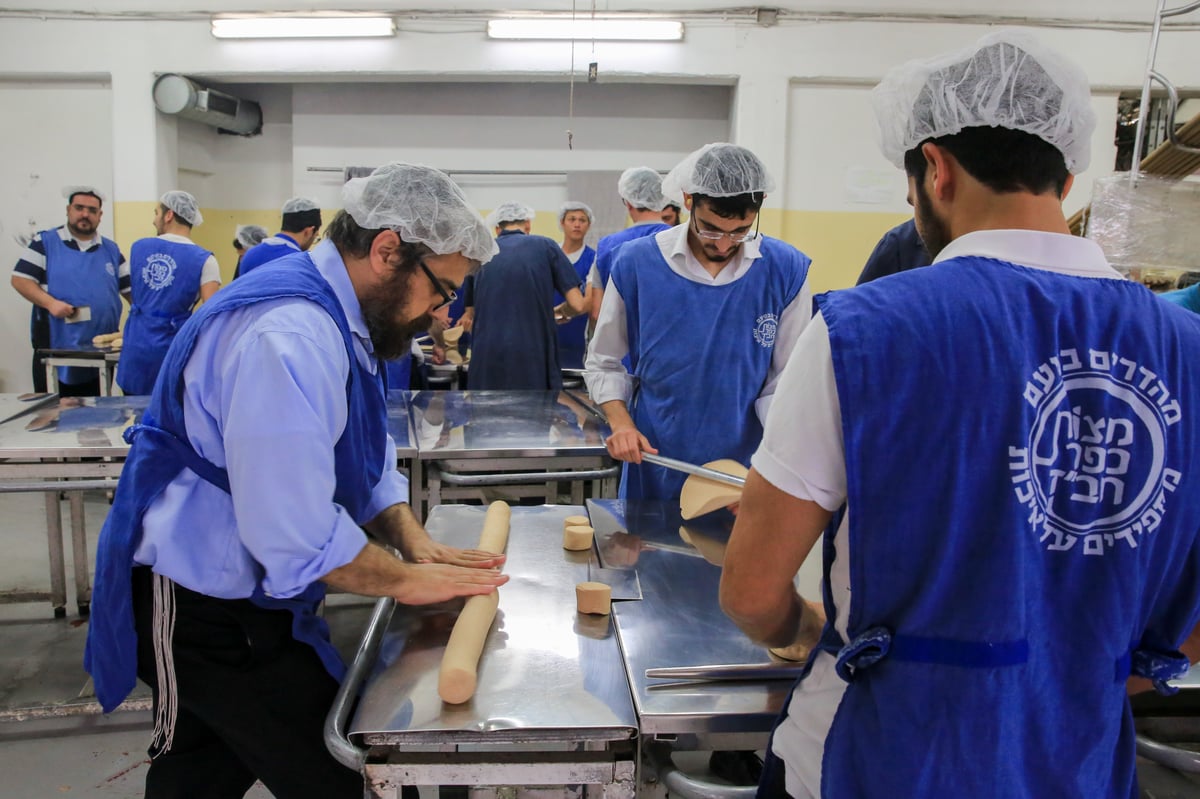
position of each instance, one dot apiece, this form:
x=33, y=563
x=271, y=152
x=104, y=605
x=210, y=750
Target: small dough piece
x=701, y=495
x=116, y=343
x=578, y=538
x=576, y=521
x=105, y=338
x=455, y=357
x=593, y=598
x=452, y=335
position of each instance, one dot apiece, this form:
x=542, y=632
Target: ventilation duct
x=175, y=94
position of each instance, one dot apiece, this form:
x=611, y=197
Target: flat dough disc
x=701, y=496
x=452, y=335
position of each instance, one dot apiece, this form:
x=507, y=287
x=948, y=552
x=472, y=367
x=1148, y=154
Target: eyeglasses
x=447, y=296
x=717, y=235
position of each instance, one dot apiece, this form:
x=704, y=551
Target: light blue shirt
x=1188, y=298
x=265, y=398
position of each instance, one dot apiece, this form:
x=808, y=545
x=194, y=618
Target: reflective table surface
x=13, y=405
x=72, y=427
x=400, y=424
x=547, y=673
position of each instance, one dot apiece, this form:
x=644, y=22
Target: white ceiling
x=1076, y=11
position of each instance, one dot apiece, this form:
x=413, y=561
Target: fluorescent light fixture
x=301, y=27
x=585, y=29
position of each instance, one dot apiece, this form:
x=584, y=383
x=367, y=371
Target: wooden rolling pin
x=460, y=663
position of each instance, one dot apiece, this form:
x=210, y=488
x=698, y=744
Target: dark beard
x=391, y=339
x=933, y=231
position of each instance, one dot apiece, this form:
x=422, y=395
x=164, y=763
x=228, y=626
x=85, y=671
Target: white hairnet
x=298, y=204
x=423, y=205
x=184, y=205
x=1007, y=79
x=71, y=191
x=249, y=235
x=571, y=205
x=641, y=187
x=719, y=170
x=510, y=212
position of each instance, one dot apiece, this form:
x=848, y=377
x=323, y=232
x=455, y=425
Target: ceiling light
x=586, y=29
x=301, y=27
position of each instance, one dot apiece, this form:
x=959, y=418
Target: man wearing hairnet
x=260, y=460
x=245, y=237
x=169, y=275
x=707, y=313
x=510, y=307
x=640, y=189
x=298, y=230
x=75, y=279
x=575, y=220
x=1001, y=451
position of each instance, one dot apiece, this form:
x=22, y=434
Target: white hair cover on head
x=1008, y=79
x=71, y=191
x=298, y=204
x=249, y=235
x=571, y=205
x=423, y=205
x=641, y=187
x=510, y=212
x=719, y=170
x=184, y=205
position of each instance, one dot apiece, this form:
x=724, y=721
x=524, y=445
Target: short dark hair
x=297, y=221
x=735, y=207
x=355, y=241
x=74, y=194
x=1003, y=159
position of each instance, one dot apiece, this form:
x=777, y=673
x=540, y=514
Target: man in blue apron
x=298, y=231
x=260, y=460
x=1005, y=443
x=510, y=307
x=575, y=220
x=640, y=189
x=707, y=313
x=672, y=214
x=246, y=237
x=169, y=275
x=75, y=279
x=899, y=250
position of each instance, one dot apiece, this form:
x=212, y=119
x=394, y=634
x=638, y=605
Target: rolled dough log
x=116, y=343
x=578, y=538
x=701, y=495
x=593, y=598
x=460, y=662
x=576, y=521
x=105, y=338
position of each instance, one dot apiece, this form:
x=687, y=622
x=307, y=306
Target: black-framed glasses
x=717, y=235
x=447, y=296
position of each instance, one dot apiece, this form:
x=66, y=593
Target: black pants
x=88, y=388
x=252, y=702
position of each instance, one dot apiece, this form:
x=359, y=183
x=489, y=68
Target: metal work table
x=552, y=707
x=525, y=441
x=68, y=446
x=103, y=359
x=399, y=422
x=14, y=405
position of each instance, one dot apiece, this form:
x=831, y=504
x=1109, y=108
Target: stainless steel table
x=66, y=446
x=552, y=707
x=400, y=427
x=102, y=359
x=524, y=441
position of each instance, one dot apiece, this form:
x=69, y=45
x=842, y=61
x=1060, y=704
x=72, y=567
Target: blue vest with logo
x=572, y=335
x=1023, y=514
x=83, y=279
x=165, y=278
x=160, y=450
x=701, y=355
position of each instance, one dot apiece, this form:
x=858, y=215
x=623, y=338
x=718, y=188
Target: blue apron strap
x=878, y=643
x=1155, y=666
x=207, y=470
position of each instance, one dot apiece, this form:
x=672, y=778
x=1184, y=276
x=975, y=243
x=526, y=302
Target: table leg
x=58, y=566
x=105, y=380
x=83, y=584
x=51, y=376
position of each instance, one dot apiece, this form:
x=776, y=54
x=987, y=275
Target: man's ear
x=940, y=171
x=383, y=249
x=1067, y=186
x=687, y=202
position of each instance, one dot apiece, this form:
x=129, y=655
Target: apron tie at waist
x=1157, y=667
x=878, y=643
x=206, y=469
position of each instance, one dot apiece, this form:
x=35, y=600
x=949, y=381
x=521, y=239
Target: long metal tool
x=691, y=468
x=732, y=671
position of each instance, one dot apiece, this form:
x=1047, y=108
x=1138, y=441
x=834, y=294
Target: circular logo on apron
x=765, y=328
x=159, y=271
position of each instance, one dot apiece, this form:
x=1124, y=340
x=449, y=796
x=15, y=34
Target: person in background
x=708, y=313
x=169, y=275
x=574, y=219
x=244, y=238
x=640, y=188
x=261, y=459
x=75, y=279
x=1187, y=295
x=999, y=449
x=510, y=308
x=900, y=250
x=297, y=232
x=672, y=215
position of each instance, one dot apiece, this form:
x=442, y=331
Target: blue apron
x=701, y=355
x=270, y=249
x=82, y=279
x=572, y=335
x=606, y=248
x=159, y=451
x=165, y=278
x=1044, y=548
